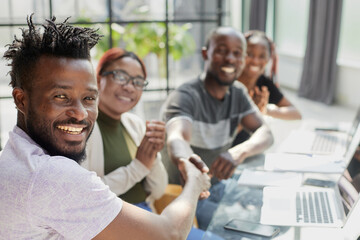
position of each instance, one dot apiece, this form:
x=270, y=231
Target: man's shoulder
x=190, y=86
x=22, y=148
x=58, y=186
x=56, y=168
x=62, y=165
x=187, y=93
x=63, y=176
x=238, y=90
x=184, y=100
x=238, y=86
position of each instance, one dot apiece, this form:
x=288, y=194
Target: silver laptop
x=290, y=162
x=320, y=142
x=309, y=206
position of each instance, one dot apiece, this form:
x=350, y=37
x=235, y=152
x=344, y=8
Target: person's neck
x=248, y=81
x=21, y=122
x=214, y=88
x=114, y=116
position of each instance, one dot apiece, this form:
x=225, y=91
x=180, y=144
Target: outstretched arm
x=173, y=223
x=178, y=139
x=260, y=140
x=178, y=143
x=224, y=165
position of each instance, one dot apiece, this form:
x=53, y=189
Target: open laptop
x=289, y=162
x=320, y=142
x=308, y=205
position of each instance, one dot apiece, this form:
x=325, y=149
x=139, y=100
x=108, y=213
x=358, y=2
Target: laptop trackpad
x=278, y=204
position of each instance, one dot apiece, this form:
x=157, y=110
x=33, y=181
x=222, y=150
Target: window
x=197, y=16
x=349, y=45
x=291, y=20
x=270, y=16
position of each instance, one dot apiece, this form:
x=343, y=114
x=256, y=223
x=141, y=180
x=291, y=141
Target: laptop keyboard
x=313, y=207
x=324, y=143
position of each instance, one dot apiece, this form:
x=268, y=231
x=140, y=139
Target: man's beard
x=41, y=135
x=218, y=80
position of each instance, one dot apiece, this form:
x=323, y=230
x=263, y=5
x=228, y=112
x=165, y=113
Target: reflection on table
x=245, y=202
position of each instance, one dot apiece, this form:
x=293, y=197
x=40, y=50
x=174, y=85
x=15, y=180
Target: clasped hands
x=260, y=98
x=152, y=143
x=222, y=168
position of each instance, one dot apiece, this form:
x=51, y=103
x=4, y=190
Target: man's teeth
x=70, y=130
x=254, y=68
x=125, y=99
x=228, y=69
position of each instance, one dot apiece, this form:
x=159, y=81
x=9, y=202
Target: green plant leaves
x=148, y=38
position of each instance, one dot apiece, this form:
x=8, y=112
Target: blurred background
x=169, y=34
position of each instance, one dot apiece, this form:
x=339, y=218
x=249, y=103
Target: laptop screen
x=349, y=183
x=353, y=128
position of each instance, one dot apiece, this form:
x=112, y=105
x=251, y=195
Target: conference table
x=244, y=202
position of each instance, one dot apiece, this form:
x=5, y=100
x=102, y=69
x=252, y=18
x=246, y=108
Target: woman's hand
x=152, y=143
x=260, y=98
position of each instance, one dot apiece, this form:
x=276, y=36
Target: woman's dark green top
x=119, y=151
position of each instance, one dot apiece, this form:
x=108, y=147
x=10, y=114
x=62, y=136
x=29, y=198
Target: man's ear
x=19, y=98
x=204, y=53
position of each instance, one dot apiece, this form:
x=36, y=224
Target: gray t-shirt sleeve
x=70, y=200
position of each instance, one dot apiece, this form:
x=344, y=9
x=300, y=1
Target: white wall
x=290, y=70
x=348, y=86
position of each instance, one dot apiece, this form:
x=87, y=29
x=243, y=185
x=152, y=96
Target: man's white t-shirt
x=50, y=197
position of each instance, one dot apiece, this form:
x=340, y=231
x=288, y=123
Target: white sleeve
x=123, y=178
x=157, y=180
x=71, y=200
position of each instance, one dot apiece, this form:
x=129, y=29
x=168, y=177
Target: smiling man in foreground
x=44, y=193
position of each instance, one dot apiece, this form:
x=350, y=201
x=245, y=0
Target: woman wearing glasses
x=123, y=150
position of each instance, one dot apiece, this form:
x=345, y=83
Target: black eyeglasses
x=121, y=77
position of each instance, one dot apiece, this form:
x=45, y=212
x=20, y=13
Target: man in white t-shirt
x=45, y=194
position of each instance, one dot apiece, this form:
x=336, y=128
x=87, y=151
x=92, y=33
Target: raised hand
x=152, y=143
x=261, y=98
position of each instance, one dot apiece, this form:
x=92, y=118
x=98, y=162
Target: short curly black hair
x=223, y=30
x=57, y=39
